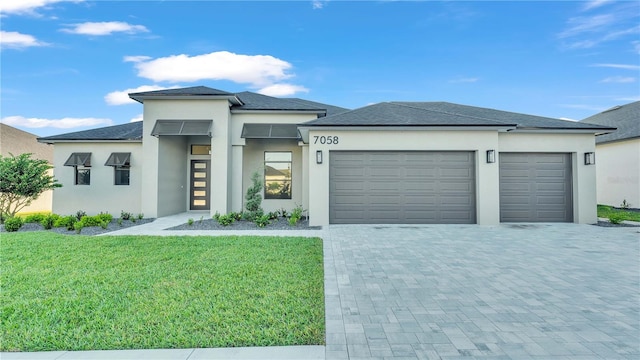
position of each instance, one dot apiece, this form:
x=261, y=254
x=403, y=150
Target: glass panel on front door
x=199, y=185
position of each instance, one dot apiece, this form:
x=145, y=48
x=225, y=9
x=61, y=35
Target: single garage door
x=376, y=187
x=535, y=187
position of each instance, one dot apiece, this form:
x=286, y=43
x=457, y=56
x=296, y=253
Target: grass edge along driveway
x=143, y=292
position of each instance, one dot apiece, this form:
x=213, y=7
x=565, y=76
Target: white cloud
x=464, y=80
x=104, y=28
x=257, y=70
x=594, y=4
x=136, y=59
x=581, y=24
x=27, y=6
x=64, y=123
x=282, y=90
x=121, y=97
x=16, y=40
x=137, y=118
x=318, y=4
x=568, y=119
x=619, y=66
x=629, y=98
x=618, y=79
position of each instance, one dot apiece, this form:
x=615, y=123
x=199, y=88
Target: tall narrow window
x=277, y=175
x=121, y=163
x=81, y=163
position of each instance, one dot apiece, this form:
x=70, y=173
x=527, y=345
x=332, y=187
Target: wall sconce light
x=319, y=157
x=491, y=156
x=589, y=158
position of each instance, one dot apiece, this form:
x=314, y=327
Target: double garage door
x=411, y=187
x=438, y=187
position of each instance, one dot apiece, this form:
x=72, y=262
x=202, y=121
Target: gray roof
x=331, y=110
x=130, y=131
x=444, y=114
x=188, y=91
x=625, y=117
x=254, y=101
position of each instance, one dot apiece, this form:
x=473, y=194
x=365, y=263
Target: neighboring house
x=16, y=142
x=618, y=155
x=395, y=162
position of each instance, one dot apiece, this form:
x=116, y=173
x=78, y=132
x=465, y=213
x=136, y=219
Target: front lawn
x=130, y=292
x=605, y=211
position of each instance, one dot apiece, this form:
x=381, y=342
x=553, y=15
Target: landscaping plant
x=13, y=224
x=253, y=197
x=296, y=215
x=263, y=221
x=22, y=180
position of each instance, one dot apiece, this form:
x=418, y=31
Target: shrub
x=88, y=221
x=13, y=224
x=616, y=217
x=625, y=204
x=34, y=218
x=49, y=220
x=284, y=213
x=78, y=226
x=190, y=222
x=119, y=221
x=133, y=220
x=216, y=216
x=140, y=216
x=66, y=222
x=104, y=225
x=80, y=214
x=254, y=198
x=263, y=221
x=125, y=215
x=273, y=215
x=296, y=215
x=226, y=220
x=105, y=217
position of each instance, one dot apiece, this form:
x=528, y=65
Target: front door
x=199, y=196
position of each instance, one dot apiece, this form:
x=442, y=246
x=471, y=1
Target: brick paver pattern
x=522, y=291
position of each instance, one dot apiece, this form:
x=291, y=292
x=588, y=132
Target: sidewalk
x=245, y=353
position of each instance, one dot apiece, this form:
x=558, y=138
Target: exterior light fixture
x=491, y=156
x=319, y=157
x=589, y=158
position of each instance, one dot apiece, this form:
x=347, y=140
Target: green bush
x=49, y=221
x=616, y=217
x=34, y=218
x=253, y=205
x=80, y=214
x=226, y=220
x=104, y=225
x=78, y=226
x=140, y=216
x=119, y=221
x=190, y=222
x=105, y=217
x=66, y=222
x=216, y=216
x=13, y=224
x=296, y=215
x=263, y=220
x=125, y=215
x=273, y=215
x=89, y=221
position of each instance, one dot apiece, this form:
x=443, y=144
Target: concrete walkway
x=520, y=291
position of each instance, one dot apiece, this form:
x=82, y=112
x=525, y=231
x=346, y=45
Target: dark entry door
x=199, y=195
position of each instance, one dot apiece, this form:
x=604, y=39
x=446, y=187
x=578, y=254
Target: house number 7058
x=325, y=140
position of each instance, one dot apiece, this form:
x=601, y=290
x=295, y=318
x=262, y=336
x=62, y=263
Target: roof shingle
x=626, y=118
x=130, y=131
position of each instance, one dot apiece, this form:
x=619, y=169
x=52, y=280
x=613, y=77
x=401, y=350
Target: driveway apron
x=520, y=291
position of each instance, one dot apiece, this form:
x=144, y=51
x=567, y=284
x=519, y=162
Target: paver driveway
x=546, y=291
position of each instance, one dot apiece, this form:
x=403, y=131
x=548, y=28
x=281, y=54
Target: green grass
x=604, y=211
x=128, y=292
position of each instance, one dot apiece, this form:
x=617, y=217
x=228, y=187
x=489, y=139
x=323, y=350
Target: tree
x=254, y=198
x=22, y=180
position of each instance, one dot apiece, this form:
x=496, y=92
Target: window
x=121, y=164
x=81, y=163
x=277, y=175
x=200, y=149
x=83, y=176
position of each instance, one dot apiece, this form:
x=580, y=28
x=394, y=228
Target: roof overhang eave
x=276, y=111
x=234, y=100
x=598, y=131
x=53, y=141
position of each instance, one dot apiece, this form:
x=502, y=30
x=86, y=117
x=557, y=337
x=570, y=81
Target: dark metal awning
x=269, y=131
x=118, y=159
x=79, y=159
x=182, y=127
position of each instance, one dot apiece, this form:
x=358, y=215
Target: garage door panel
x=535, y=187
x=402, y=187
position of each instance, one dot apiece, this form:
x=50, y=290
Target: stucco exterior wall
x=487, y=175
x=254, y=161
x=216, y=110
x=584, y=176
x=101, y=195
x=618, y=172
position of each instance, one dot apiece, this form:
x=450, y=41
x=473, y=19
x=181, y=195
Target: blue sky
x=67, y=65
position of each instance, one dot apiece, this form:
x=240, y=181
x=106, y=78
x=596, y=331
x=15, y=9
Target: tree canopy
x=22, y=180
